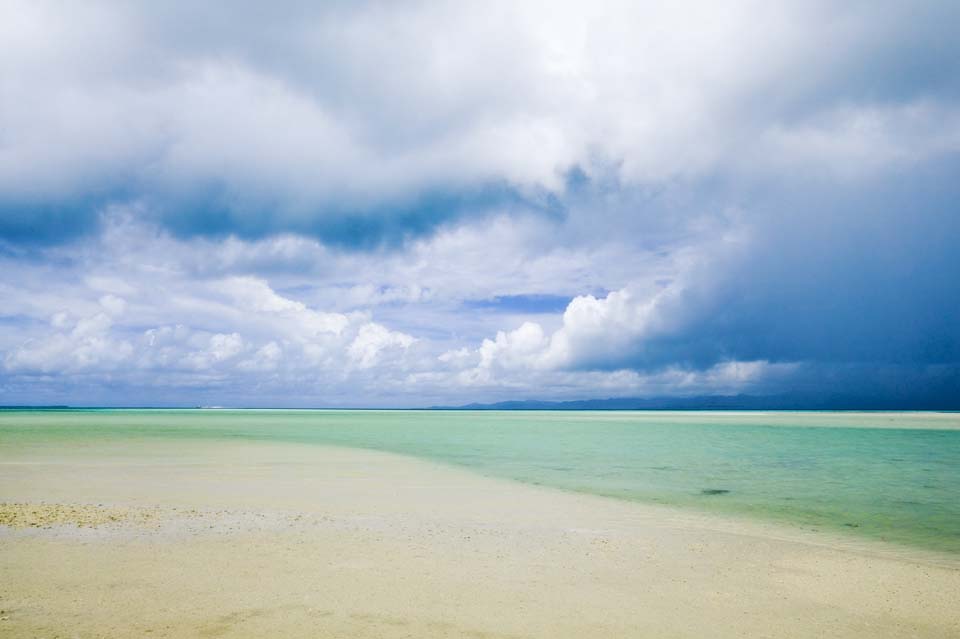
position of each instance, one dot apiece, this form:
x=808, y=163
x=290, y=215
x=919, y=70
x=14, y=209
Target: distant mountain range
x=722, y=402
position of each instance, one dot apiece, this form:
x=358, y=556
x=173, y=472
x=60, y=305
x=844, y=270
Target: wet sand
x=252, y=540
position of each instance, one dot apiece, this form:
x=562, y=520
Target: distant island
x=725, y=402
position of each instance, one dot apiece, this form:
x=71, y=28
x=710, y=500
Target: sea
x=886, y=476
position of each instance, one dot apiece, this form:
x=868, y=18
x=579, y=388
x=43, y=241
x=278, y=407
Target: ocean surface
x=894, y=477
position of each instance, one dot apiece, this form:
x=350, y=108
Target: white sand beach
x=258, y=540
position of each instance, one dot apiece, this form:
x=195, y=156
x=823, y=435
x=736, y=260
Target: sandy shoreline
x=253, y=540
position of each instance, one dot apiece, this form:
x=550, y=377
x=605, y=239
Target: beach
x=509, y=320
x=252, y=539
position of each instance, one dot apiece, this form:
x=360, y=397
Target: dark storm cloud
x=864, y=272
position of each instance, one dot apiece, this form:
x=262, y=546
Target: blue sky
x=404, y=204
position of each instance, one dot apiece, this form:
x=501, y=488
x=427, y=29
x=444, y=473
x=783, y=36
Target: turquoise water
x=891, y=477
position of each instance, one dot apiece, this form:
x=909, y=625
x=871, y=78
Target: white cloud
x=220, y=348
x=611, y=332
x=267, y=358
x=272, y=335
x=346, y=107
x=372, y=340
x=186, y=319
x=112, y=304
x=521, y=347
x=89, y=345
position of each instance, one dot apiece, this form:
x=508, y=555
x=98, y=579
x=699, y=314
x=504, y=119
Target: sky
x=397, y=204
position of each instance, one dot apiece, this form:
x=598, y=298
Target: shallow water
x=887, y=476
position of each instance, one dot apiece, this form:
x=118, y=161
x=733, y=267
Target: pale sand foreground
x=268, y=540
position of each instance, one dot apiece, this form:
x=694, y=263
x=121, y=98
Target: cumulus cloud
x=273, y=334
x=625, y=328
x=88, y=345
x=187, y=319
x=372, y=340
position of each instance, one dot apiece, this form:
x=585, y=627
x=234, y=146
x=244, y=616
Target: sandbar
x=266, y=539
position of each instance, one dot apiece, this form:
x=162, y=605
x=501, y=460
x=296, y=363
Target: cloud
x=367, y=123
x=626, y=328
x=186, y=316
x=220, y=348
x=861, y=279
x=372, y=341
x=274, y=335
x=365, y=203
x=87, y=345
